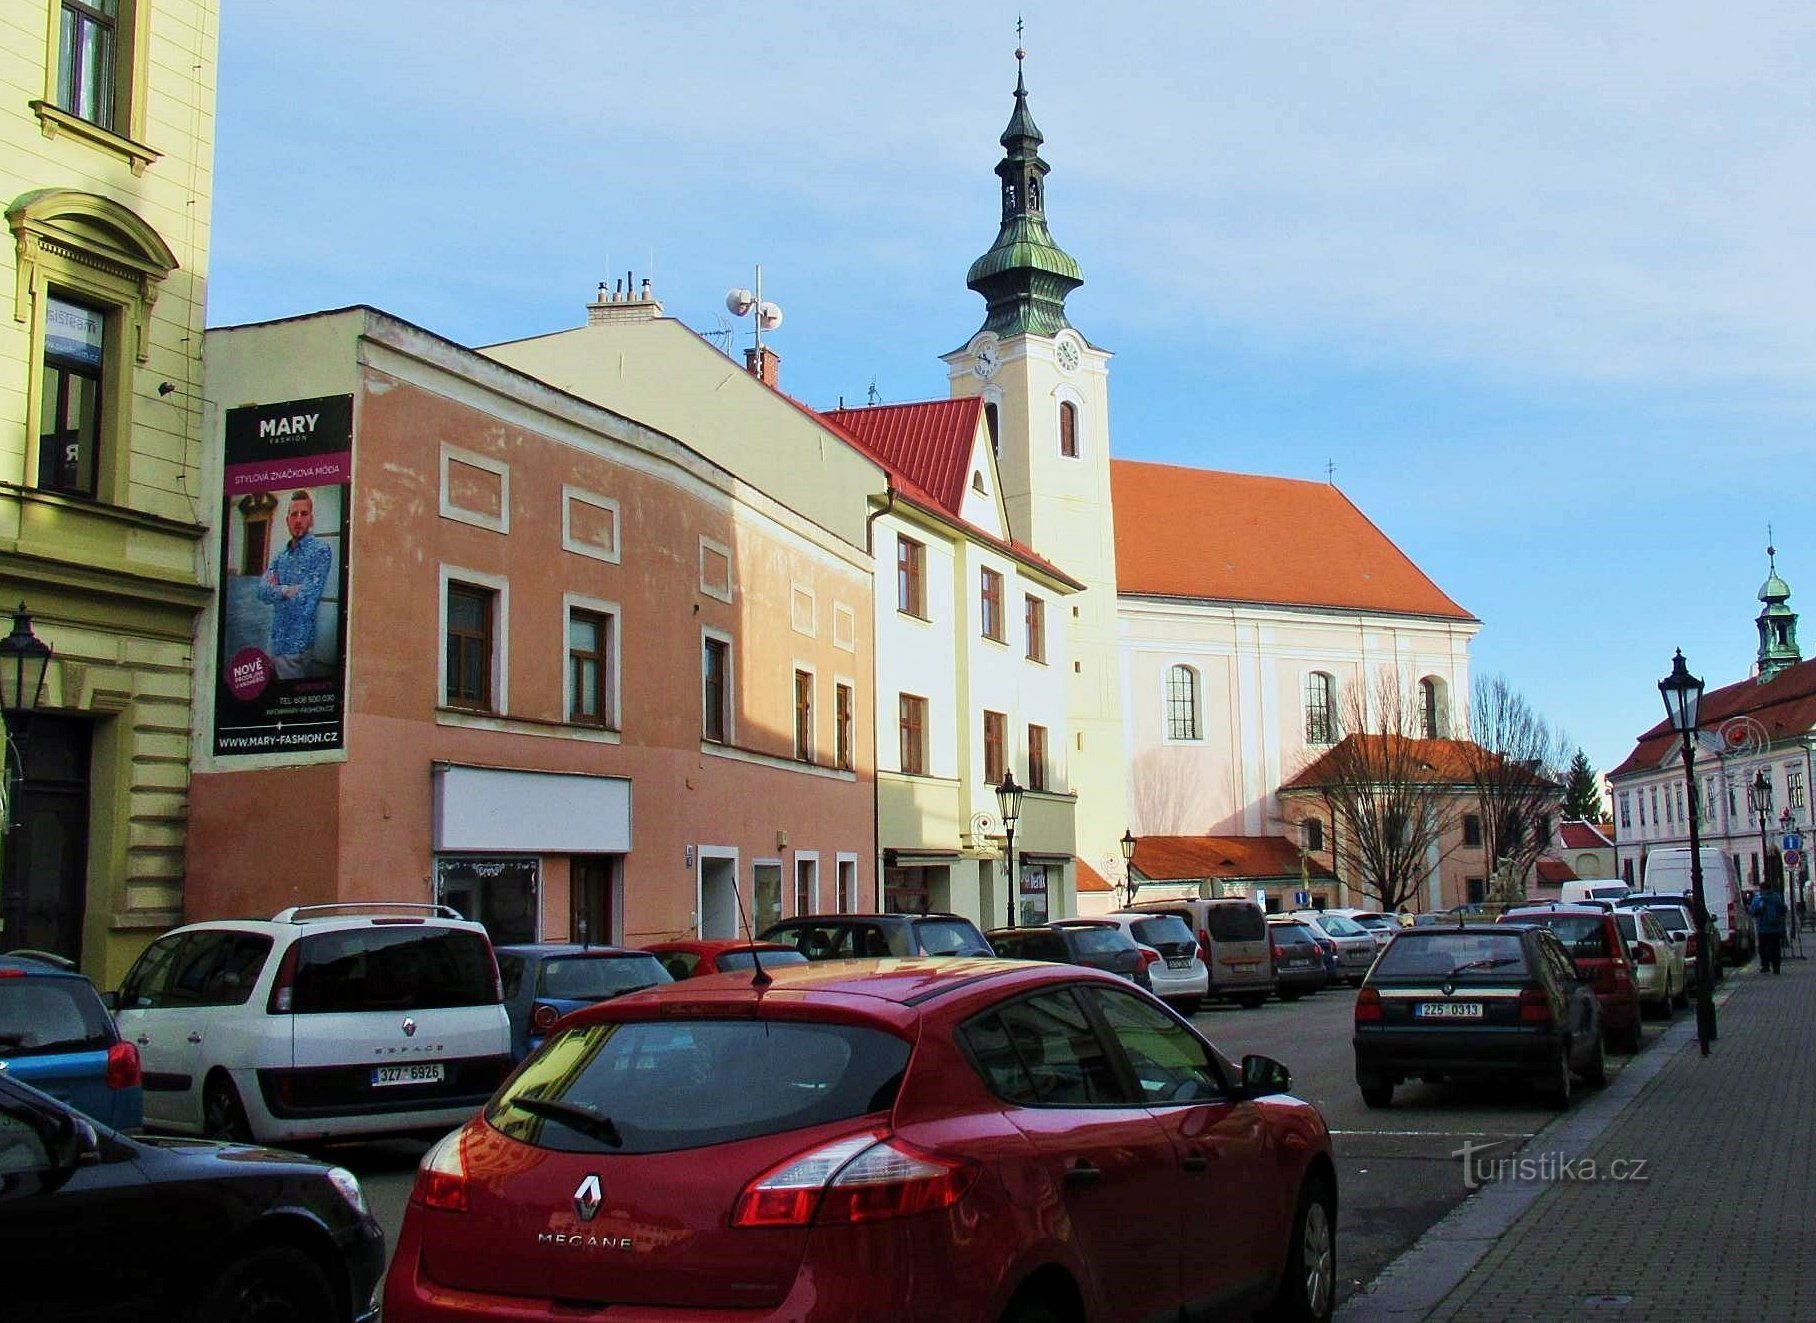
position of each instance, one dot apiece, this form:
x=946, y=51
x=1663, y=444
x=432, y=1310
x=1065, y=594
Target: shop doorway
x=592, y=892
x=718, y=895
x=44, y=886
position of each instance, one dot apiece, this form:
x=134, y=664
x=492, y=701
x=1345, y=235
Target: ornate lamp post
x=1682, y=693
x=1008, y=804
x=1128, y=863
x=24, y=658
x=1762, y=805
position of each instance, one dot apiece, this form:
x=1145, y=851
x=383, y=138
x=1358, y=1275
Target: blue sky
x=1535, y=278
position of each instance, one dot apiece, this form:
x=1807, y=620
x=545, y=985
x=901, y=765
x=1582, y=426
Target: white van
x=1668, y=874
x=1577, y=891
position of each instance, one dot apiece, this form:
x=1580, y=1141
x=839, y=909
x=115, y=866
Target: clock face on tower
x=1067, y=354
x=983, y=359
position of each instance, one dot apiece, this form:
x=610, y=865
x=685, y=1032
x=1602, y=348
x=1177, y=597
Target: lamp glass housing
x=1128, y=845
x=24, y=658
x=1009, y=799
x=1682, y=693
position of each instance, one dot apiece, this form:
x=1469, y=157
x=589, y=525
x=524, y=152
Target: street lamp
x=1128, y=867
x=1682, y=693
x=1008, y=804
x=24, y=658
x=1762, y=805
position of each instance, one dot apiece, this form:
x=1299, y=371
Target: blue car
x=544, y=981
x=57, y=1036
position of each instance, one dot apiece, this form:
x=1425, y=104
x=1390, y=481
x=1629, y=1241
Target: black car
x=1075, y=942
x=860, y=936
x=1479, y=1000
x=99, y=1225
x=1299, y=965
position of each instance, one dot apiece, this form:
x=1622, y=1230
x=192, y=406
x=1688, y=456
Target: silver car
x=1356, y=949
x=1177, y=972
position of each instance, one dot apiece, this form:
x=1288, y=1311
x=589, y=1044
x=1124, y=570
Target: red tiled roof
x=1188, y=858
x=1555, y=872
x=1184, y=532
x=1784, y=706
x=1089, y=879
x=926, y=448
x=1579, y=835
x=1445, y=761
x=928, y=442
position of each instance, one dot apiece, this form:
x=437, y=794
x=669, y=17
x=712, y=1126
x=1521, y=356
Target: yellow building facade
x=106, y=165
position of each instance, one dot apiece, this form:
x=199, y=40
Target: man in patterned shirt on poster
x=293, y=585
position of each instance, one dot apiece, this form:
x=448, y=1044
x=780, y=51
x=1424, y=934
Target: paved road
x=1398, y=1170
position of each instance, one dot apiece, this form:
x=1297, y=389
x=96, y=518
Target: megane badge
x=409, y=1027
x=587, y=1199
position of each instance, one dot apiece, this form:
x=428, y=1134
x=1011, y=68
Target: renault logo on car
x=409, y=1027
x=587, y=1199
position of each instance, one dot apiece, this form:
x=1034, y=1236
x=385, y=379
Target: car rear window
x=40, y=1016
x=1452, y=955
x=392, y=969
x=1674, y=919
x=1235, y=923
x=1292, y=934
x=1103, y=940
x=574, y=978
x=950, y=937
x=730, y=961
x=1585, y=936
x=663, y=1087
x=1338, y=925
x=1162, y=931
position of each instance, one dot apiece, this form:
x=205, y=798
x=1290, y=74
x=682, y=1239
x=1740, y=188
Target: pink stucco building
x=532, y=658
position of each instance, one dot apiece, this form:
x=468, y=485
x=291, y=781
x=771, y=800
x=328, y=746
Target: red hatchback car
x=911, y=1139
x=694, y=957
x=1593, y=939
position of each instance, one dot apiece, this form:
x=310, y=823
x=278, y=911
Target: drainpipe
x=876, y=840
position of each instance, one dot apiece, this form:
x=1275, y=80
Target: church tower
x=1777, y=623
x=1046, y=401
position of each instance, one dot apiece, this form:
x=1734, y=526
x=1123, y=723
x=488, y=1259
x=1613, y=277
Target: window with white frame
x=715, y=688
x=847, y=885
x=1320, y=714
x=1182, y=704
x=807, y=885
x=592, y=643
x=1626, y=815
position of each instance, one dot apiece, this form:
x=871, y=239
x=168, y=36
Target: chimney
x=762, y=363
x=623, y=302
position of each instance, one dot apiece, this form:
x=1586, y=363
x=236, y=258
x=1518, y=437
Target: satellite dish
x=769, y=317
x=738, y=302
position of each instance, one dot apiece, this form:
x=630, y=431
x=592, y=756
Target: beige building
x=106, y=159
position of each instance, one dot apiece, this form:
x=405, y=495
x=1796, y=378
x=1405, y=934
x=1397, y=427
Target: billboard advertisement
x=281, y=683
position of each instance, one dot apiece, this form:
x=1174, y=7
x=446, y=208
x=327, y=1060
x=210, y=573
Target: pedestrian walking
x=1769, y=910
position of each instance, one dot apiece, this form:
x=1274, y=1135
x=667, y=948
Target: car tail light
x=543, y=1017
x=862, y=1178
x=123, y=1066
x=1276, y=953
x=12, y=973
x=1730, y=916
x=1535, y=1006
x=1368, y=1006
x=1148, y=956
x=283, y=987
x=1204, y=946
x=1643, y=954
x=441, y=1179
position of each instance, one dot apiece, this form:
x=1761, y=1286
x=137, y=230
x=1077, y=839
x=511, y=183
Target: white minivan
x=1580, y=889
x=1668, y=874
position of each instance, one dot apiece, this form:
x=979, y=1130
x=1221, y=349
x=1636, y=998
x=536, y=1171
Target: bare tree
x=1514, y=766
x=1394, y=798
x=1168, y=793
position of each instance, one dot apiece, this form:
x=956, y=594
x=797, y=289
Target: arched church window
x=1068, y=429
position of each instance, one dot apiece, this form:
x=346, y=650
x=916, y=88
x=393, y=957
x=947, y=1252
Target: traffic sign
x=1302, y=898
x=1792, y=840
x=1793, y=857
